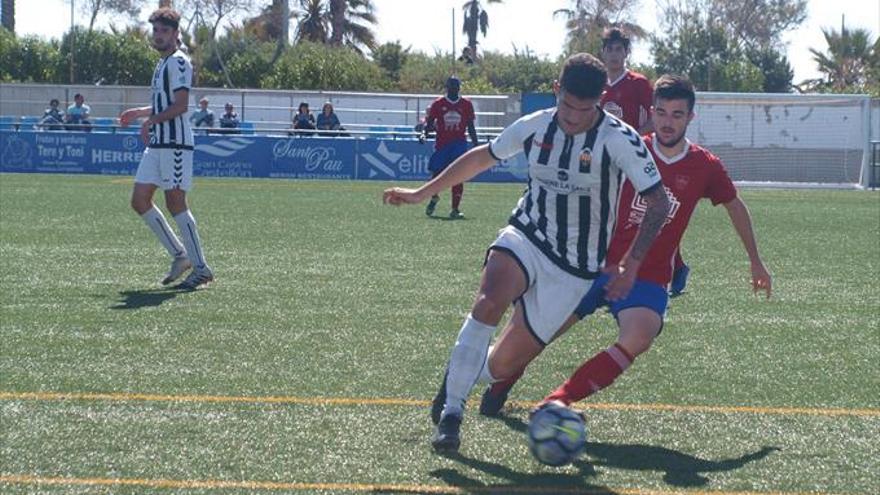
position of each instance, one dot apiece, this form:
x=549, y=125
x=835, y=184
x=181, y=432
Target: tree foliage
x=315, y=66
x=337, y=22
x=93, y=8
x=585, y=20
x=476, y=20
x=28, y=59
x=706, y=38
x=105, y=58
x=722, y=47
x=7, y=15
x=391, y=57
x=698, y=46
x=849, y=62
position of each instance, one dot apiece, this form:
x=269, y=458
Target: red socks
x=594, y=375
x=457, y=193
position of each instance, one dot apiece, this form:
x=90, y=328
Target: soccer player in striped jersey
x=557, y=237
x=689, y=174
x=450, y=116
x=167, y=161
x=629, y=96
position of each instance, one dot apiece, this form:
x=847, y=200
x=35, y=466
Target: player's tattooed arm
x=657, y=207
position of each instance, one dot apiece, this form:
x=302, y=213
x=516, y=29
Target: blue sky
x=426, y=25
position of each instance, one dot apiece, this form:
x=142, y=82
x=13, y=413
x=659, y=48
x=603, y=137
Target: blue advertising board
x=236, y=156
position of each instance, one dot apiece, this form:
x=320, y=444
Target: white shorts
x=552, y=294
x=168, y=168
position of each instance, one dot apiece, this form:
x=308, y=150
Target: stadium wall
x=267, y=109
x=764, y=139
x=235, y=156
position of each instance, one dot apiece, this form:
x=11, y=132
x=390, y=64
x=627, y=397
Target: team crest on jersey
x=614, y=109
x=585, y=159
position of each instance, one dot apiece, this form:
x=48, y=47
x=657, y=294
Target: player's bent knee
x=636, y=345
x=489, y=308
x=503, y=367
x=638, y=328
x=140, y=205
x=512, y=353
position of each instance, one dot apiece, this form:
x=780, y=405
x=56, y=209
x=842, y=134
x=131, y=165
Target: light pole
x=72, y=40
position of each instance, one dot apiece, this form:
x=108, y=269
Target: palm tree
x=849, y=58
x=350, y=20
x=313, y=21
x=476, y=19
x=337, y=21
x=272, y=24
x=587, y=19
x=327, y=22
x=8, y=17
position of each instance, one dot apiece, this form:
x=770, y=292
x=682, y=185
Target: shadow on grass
x=135, y=299
x=519, y=482
x=679, y=469
x=448, y=219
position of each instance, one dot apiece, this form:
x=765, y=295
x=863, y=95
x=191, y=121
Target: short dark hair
x=583, y=76
x=675, y=87
x=166, y=16
x=54, y=101
x=79, y=95
x=615, y=35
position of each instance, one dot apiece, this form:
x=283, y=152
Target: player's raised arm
x=742, y=223
x=471, y=164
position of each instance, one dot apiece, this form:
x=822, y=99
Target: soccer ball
x=557, y=435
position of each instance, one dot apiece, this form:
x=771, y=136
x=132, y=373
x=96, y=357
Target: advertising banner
x=237, y=155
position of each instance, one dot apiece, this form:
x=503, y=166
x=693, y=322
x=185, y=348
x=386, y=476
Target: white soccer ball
x=557, y=435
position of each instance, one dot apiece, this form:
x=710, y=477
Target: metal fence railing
x=874, y=183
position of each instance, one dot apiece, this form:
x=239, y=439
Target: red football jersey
x=451, y=119
x=693, y=175
x=629, y=98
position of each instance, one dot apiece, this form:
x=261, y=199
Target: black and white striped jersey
x=569, y=208
x=172, y=73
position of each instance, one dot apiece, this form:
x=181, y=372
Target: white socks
x=467, y=361
x=190, y=235
x=157, y=223
x=486, y=377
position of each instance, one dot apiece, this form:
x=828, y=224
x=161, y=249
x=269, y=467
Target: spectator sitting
x=53, y=117
x=328, y=121
x=229, y=121
x=304, y=120
x=77, y=118
x=203, y=117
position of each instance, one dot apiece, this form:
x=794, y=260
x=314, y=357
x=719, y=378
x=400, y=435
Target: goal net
x=787, y=140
